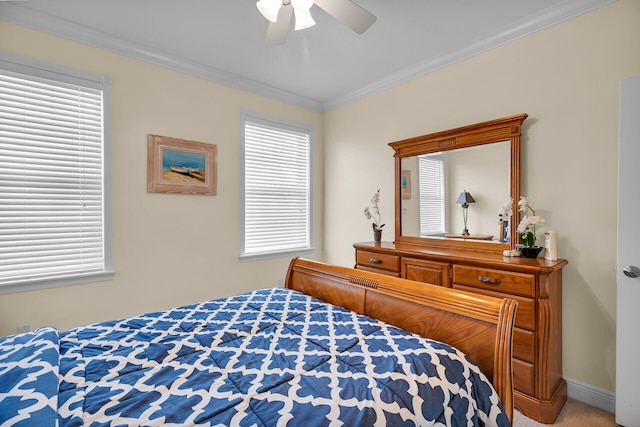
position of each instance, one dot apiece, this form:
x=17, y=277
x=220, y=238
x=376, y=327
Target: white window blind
x=276, y=190
x=52, y=198
x=431, y=194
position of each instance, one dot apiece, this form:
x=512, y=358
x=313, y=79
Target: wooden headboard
x=480, y=326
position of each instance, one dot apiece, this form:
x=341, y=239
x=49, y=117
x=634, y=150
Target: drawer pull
x=375, y=261
x=490, y=280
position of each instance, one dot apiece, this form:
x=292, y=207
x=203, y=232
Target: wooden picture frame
x=406, y=184
x=180, y=166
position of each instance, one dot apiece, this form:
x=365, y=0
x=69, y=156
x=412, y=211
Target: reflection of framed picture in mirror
x=180, y=166
x=406, y=184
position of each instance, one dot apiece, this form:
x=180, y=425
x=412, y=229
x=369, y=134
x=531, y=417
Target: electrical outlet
x=24, y=328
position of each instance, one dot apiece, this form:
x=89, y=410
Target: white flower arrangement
x=506, y=210
x=528, y=223
x=504, y=216
x=373, y=212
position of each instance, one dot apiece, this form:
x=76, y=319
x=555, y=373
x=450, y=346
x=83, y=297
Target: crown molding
x=553, y=15
x=564, y=11
x=41, y=21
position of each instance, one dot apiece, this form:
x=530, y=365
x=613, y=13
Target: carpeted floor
x=573, y=414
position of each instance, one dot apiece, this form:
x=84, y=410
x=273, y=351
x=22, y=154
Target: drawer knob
x=375, y=261
x=490, y=280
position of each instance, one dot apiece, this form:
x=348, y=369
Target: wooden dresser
x=540, y=390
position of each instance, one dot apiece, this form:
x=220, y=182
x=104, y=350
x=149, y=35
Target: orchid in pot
x=373, y=212
x=527, y=227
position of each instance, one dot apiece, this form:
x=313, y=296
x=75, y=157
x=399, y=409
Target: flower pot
x=531, y=251
x=377, y=235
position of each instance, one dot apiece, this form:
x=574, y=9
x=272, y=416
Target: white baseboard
x=591, y=395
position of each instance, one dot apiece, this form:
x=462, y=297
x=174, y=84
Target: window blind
x=51, y=179
x=431, y=194
x=276, y=187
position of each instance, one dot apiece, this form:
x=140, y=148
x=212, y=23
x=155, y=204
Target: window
x=431, y=194
x=54, y=190
x=276, y=195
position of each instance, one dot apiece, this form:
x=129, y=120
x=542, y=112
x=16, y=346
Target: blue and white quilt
x=272, y=357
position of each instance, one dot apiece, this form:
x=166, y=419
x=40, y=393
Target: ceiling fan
x=280, y=12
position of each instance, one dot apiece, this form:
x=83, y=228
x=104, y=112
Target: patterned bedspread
x=272, y=357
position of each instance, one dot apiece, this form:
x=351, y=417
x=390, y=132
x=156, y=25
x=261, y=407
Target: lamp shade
x=303, y=19
x=269, y=8
x=301, y=9
x=465, y=198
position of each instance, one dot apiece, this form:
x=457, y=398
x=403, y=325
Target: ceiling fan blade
x=277, y=31
x=349, y=13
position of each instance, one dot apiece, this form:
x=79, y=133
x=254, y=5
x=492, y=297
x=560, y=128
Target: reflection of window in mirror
x=431, y=195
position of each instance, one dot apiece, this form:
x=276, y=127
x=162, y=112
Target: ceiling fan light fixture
x=269, y=8
x=303, y=19
x=345, y=11
x=301, y=9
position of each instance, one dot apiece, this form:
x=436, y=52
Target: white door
x=628, y=287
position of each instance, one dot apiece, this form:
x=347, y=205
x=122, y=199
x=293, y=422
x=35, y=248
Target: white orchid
x=504, y=216
x=528, y=223
x=373, y=212
x=525, y=204
x=506, y=210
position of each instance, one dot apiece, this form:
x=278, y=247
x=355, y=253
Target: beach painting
x=180, y=166
x=183, y=166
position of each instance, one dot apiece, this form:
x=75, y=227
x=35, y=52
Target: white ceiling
x=322, y=67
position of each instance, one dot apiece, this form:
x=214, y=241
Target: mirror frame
x=499, y=130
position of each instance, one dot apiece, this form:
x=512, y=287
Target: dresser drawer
x=378, y=270
x=377, y=261
x=433, y=272
x=524, y=345
x=495, y=280
x=525, y=314
x=524, y=376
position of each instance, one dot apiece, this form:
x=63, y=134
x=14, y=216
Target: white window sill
x=280, y=254
x=56, y=282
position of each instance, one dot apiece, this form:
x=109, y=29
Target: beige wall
x=167, y=249
x=567, y=79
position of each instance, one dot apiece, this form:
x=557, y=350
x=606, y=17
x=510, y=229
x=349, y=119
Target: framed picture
x=406, y=184
x=180, y=166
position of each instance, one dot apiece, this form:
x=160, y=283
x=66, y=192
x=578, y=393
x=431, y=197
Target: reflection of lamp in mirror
x=464, y=199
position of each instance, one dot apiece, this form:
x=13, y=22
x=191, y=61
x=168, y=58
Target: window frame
x=248, y=116
x=428, y=176
x=42, y=69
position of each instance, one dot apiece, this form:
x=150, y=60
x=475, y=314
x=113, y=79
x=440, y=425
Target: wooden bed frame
x=480, y=326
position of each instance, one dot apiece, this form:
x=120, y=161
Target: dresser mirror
x=443, y=177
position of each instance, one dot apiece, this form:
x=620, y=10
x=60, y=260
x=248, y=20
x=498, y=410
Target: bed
x=334, y=346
